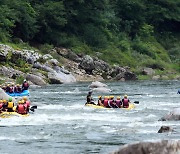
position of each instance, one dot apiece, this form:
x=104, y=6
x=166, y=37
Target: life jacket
x=118, y=103
x=26, y=85
x=28, y=103
x=106, y=103
x=10, y=105
x=21, y=109
x=11, y=89
x=126, y=103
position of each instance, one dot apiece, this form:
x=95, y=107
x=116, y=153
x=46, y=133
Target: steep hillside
x=140, y=34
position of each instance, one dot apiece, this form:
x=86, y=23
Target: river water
x=63, y=125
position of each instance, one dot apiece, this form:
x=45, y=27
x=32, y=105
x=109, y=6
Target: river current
x=63, y=125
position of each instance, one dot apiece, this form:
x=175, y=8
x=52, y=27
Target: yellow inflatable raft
x=12, y=114
x=131, y=106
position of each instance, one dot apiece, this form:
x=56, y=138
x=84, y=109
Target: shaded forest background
x=135, y=33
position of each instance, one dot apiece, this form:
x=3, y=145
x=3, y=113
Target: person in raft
x=105, y=101
x=5, y=104
x=26, y=103
x=10, y=105
x=111, y=102
x=25, y=85
x=17, y=89
x=125, y=101
x=21, y=108
x=89, y=99
x=118, y=102
x=100, y=101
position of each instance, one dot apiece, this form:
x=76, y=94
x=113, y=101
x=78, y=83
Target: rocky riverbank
x=59, y=66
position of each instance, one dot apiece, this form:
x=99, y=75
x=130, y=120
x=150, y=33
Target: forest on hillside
x=133, y=32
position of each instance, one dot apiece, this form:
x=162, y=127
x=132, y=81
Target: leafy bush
x=19, y=79
x=154, y=64
x=45, y=48
x=143, y=48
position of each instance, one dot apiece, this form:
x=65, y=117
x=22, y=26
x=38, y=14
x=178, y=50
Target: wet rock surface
x=160, y=147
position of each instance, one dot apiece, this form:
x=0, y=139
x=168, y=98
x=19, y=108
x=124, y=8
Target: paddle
x=33, y=107
x=136, y=102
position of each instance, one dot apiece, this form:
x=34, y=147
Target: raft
x=12, y=114
x=131, y=106
x=24, y=93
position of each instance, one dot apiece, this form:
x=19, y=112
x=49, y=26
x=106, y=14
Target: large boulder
x=102, y=90
x=10, y=72
x=68, y=54
x=101, y=66
x=148, y=71
x=37, y=80
x=60, y=77
x=4, y=50
x=87, y=64
x=161, y=147
x=29, y=56
x=173, y=115
x=52, y=62
x=97, y=84
x=165, y=129
x=124, y=76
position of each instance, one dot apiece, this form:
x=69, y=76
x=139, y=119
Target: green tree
x=131, y=15
x=89, y=20
x=25, y=23
x=7, y=19
x=51, y=21
x=163, y=14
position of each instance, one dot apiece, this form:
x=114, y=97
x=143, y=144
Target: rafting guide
x=89, y=99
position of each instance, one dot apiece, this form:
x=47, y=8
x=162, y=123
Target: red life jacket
x=26, y=85
x=118, y=103
x=21, y=109
x=27, y=103
x=106, y=103
x=126, y=103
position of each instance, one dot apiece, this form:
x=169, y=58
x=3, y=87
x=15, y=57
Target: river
x=63, y=125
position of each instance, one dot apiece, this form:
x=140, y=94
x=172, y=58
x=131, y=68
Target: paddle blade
x=34, y=107
x=136, y=102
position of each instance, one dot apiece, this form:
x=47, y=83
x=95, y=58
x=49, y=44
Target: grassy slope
x=160, y=52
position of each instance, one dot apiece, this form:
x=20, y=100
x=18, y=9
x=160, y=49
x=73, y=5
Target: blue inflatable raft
x=24, y=93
